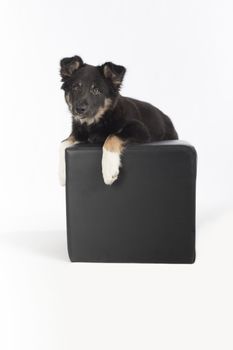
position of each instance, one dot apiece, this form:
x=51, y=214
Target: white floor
x=51, y=304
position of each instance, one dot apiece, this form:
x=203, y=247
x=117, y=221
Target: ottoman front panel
x=147, y=215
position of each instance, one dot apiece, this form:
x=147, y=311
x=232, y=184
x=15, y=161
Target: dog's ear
x=68, y=65
x=113, y=72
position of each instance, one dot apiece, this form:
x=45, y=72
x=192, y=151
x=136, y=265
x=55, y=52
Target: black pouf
x=146, y=216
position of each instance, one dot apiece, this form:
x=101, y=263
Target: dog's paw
x=62, y=164
x=111, y=163
x=62, y=174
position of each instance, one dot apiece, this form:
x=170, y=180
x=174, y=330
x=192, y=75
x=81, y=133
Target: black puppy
x=101, y=115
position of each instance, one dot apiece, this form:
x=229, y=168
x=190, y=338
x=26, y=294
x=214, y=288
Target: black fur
x=90, y=90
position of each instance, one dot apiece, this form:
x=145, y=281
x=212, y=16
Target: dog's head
x=90, y=91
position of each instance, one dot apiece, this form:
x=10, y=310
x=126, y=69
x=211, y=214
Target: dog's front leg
x=111, y=158
x=134, y=131
x=70, y=141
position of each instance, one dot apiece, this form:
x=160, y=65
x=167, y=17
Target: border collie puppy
x=101, y=115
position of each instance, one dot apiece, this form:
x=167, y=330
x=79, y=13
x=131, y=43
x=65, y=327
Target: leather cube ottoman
x=146, y=216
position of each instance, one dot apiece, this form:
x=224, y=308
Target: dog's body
x=101, y=115
x=147, y=124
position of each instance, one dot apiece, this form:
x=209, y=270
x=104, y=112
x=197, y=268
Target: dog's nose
x=81, y=108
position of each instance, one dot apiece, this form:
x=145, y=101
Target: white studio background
x=179, y=57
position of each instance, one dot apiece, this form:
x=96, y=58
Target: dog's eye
x=95, y=91
x=77, y=86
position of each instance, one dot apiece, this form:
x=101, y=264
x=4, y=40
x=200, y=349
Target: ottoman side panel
x=147, y=215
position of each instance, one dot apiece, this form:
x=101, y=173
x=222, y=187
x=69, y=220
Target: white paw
x=62, y=174
x=62, y=163
x=111, y=163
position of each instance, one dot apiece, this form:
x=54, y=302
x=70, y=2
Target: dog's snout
x=81, y=108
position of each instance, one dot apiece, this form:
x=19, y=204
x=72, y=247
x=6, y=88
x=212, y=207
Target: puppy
x=101, y=115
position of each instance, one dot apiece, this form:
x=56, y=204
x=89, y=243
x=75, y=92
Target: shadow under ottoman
x=146, y=216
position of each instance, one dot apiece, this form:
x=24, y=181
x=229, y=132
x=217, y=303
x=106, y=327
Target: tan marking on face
x=114, y=143
x=99, y=114
x=103, y=109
